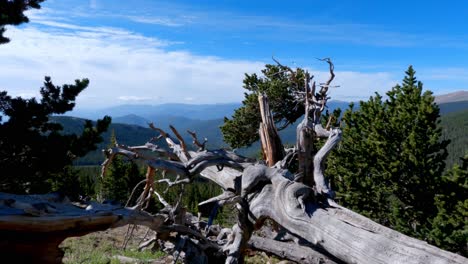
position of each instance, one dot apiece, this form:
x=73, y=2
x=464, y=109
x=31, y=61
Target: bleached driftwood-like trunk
x=262, y=192
x=33, y=226
x=272, y=148
x=301, y=204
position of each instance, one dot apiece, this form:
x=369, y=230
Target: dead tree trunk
x=259, y=192
x=272, y=147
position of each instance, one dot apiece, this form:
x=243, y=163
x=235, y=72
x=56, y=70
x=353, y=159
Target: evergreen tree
x=450, y=225
x=12, y=13
x=33, y=152
x=391, y=158
x=242, y=129
x=121, y=177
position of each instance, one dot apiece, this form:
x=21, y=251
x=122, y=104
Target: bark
x=342, y=233
x=37, y=224
x=291, y=251
x=33, y=226
x=272, y=147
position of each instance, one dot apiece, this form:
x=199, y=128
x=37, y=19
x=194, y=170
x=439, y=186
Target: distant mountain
x=446, y=108
x=131, y=120
x=132, y=129
x=128, y=134
x=152, y=112
x=141, y=114
x=457, y=96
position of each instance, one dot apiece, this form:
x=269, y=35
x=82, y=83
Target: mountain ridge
x=457, y=96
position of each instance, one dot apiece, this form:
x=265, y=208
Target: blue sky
x=152, y=52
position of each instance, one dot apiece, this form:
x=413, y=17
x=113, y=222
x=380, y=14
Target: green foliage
x=391, y=159
x=12, y=13
x=121, y=177
x=454, y=128
x=242, y=129
x=102, y=247
x=33, y=151
x=89, y=177
x=450, y=225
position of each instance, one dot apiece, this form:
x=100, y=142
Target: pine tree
x=392, y=157
x=12, y=13
x=450, y=225
x=121, y=177
x=34, y=153
x=242, y=129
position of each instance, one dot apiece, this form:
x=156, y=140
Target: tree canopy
x=33, y=151
x=12, y=13
x=242, y=129
x=449, y=226
x=390, y=163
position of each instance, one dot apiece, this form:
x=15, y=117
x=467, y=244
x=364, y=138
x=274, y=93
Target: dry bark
x=302, y=204
x=272, y=148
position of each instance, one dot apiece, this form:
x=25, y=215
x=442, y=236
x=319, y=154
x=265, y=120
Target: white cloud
x=119, y=68
x=127, y=67
x=444, y=74
x=355, y=86
x=135, y=99
x=93, y=4
x=155, y=21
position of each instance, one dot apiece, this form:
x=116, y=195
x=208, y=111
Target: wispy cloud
x=118, y=70
x=93, y=4
x=155, y=21
x=136, y=99
x=445, y=74
x=125, y=66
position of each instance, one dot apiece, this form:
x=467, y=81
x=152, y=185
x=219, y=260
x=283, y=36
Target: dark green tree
x=12, y=13
x=122, y=176
x=450, y=225
x=391, y=159
x=33, y=151
x=242, y=129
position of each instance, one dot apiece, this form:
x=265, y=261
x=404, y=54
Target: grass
x=101, y=247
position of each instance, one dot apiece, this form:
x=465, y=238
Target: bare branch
x=162, y=132
x=133, y=192
x=179, y=150
x=161, y=199
x=111, y=153
x=150, y=147
x=173, y=183
x=201, y=146
x=293, y=74
x=332, y=76
x=181, y=140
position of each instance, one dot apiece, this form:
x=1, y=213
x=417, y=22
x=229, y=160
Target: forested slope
x=455, y=128
x=454, y=125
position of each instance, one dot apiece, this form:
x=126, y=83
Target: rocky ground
x=109, y=247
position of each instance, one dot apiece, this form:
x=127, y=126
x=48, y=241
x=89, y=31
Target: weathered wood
x=342, y=233
x=33, y=226
x=272, y=147
x=305, y=152
x=291, y=251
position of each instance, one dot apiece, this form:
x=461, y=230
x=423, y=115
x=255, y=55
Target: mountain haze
x=457, y=96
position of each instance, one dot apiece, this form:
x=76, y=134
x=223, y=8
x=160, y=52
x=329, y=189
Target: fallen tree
x=301, y=205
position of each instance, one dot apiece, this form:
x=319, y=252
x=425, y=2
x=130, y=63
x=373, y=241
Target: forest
x=383, y=180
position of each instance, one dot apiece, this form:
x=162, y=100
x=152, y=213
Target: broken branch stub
x=259, y=191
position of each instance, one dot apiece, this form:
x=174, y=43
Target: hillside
x=451, y=107
x=136, y=135
x=452, y=97
x=455, y=128
x=153, y=112
x=131, y=129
